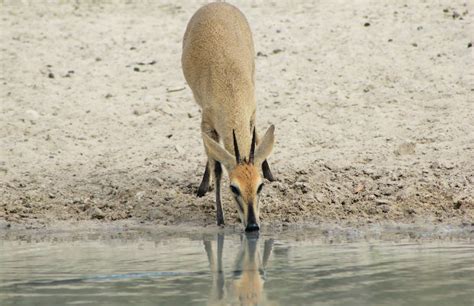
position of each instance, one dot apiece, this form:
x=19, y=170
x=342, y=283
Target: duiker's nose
x=252, y=227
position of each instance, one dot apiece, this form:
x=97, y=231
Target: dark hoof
x=201, y=192
x=267, y=173
x=270, y=177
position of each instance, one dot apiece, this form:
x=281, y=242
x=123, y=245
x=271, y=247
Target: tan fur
x=218, y=64
x=245, y=174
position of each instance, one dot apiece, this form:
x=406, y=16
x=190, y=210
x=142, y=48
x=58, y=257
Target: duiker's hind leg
x=267, y=173
x=216, y=166
x=206, y=180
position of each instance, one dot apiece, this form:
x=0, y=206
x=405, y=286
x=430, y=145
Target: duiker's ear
x=266, y=146
x=219, y=153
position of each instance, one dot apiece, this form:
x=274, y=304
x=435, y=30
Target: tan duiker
x=218, y=64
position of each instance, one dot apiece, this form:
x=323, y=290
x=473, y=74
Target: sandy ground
x=372, y=101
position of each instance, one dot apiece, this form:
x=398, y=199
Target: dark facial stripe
x=239, y=204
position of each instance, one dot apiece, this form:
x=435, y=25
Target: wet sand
x=372, y=102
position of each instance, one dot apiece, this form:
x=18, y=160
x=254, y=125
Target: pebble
x=139, y=195
x=382, y=202
x=406, y=148
x=96, y=213
x=32, y=115
x=319, y=197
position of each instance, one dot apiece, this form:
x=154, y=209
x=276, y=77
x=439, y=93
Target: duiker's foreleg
x=218, y=176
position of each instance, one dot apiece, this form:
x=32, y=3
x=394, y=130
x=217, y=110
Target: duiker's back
x=218, y=53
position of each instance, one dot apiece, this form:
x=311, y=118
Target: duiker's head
x=246, y=182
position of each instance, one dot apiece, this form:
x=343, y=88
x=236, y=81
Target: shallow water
x=141, y=268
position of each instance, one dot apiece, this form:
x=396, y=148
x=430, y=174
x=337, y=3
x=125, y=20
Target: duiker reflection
x=245, y=285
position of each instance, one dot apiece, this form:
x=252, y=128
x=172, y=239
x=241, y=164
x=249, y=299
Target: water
x=159, y=268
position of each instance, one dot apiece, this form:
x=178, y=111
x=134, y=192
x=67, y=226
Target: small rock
x=407, y=148
x=464, y=202
x=386, y=191
x=139, y=195
x=96, y=213
x=330, y=166
x=51, y=75
x=301, y=171
x=260, y=53
x=179, y=149
x=319, y=197
x=77, y=201
x=469, y=45
x=302, y=186
x=367, y=24
x=414, y=44
x=385, y=208
x=276, y=51
x=360, y=187
x=32, y=115
x=382, y=202
x=281, y=187
x=136, y=69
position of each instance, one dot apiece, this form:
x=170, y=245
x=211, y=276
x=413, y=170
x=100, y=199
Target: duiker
x=218, y=64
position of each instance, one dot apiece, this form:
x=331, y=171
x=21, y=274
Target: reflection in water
x=245, y=285
x=168, y=270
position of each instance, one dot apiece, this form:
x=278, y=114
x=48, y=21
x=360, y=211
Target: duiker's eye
x=235, y=190
x=260, y=188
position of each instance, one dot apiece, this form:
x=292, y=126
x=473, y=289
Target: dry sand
x=372, y=100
